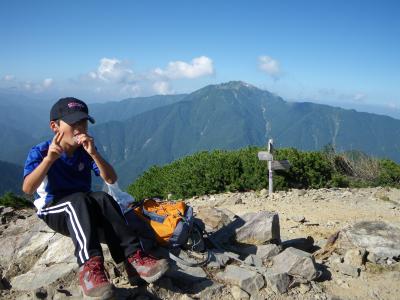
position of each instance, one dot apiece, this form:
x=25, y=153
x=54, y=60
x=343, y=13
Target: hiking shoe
x=147, y=267
x=93, y=280
x=133, y=276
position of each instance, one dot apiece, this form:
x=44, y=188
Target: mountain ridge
x=226, y=116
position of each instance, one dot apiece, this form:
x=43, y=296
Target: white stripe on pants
x=68, y=208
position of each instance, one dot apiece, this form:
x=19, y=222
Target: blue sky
x=334, y=52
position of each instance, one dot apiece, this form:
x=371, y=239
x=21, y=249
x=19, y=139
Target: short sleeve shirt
x=67, y=175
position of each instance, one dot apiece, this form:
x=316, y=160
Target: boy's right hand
x=55, y=149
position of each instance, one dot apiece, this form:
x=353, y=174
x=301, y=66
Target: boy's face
x=70, y=131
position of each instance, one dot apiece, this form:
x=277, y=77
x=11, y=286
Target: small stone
x=355, y=257
x=304, y=288
x=390, y=261
x=301, y=192
x=299, y=219
x=7, y=210
x=185, y=297
x=207, y=291
x=238, y=294
x=346, y=269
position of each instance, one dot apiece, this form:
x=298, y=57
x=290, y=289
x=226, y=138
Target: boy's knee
x=100, y=196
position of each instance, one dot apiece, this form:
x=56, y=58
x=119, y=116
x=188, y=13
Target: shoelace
x=96, y=271
x=141, y=257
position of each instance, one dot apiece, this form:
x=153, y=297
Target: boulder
x=213, y=218
x=259, y=228
x=380, y=239
x=247, y=280
x=296, y=263
x=278, y=282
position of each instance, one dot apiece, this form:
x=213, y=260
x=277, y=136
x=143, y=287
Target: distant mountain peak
x=235, y=85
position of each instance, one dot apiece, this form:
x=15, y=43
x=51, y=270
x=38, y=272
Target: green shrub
x=11, y=200
x=389, y=173
x=221, y=171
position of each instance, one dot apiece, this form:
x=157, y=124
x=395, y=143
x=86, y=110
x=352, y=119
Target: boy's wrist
x=94, y=155
x=48, y=160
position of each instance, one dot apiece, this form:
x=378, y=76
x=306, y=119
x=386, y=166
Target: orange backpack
x=172, y=222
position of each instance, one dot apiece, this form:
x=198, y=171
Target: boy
x=60, y=171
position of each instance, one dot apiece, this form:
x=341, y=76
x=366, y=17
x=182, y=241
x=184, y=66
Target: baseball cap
x=70, y=110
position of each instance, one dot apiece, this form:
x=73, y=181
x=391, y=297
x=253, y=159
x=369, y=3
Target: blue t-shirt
x=66, y=176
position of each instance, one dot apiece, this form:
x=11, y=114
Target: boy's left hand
x=87, y=143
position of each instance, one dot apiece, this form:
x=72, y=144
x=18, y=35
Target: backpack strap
x=189, y=264
x=198, y=232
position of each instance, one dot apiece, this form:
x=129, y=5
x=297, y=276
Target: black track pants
x=91, y=218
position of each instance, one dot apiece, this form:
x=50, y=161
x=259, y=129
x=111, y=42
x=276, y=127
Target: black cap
x=70, y=110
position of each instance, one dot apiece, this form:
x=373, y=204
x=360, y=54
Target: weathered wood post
x=272, y=164
x=270, y=180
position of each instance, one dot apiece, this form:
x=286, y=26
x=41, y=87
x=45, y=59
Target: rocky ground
x=351, y=239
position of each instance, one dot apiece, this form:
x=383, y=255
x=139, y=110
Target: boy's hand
x=88, y=143
x=55, y=149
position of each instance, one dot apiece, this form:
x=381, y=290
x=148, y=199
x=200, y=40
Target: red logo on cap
x=75, y=104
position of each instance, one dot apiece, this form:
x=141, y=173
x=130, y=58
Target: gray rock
x=7, y=210
x=259, y=228
x=213, y=218
x=301, y=192
x=212, y=291
x=218, y=259
x=372, y=257
x=304, y=288
x=253, y=260
x=278, y=282
x=305, y=244
x=296, y=263
x=377, y=237
x=263, y=192
x=299, y=219
x=40, y=277
x=346, y=269
x=185, y=297
x=249, y=281
x=263, y=251
x=355, y=257
x=183, y=275
x=238, y=294
x=229, y=201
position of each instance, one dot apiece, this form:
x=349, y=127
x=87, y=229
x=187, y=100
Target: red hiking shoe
x=146, y=266
x=93, y=280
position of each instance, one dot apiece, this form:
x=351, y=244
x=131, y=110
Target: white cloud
x=393, y=105
x=112, y=70
x=162, y=87
x=113, y=78
x=269, y=66
x=8, y=77
x=198, y=67
x=47, y=82
x=359, y=97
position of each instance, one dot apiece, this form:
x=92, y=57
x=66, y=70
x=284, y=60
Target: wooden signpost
x=272, y=164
